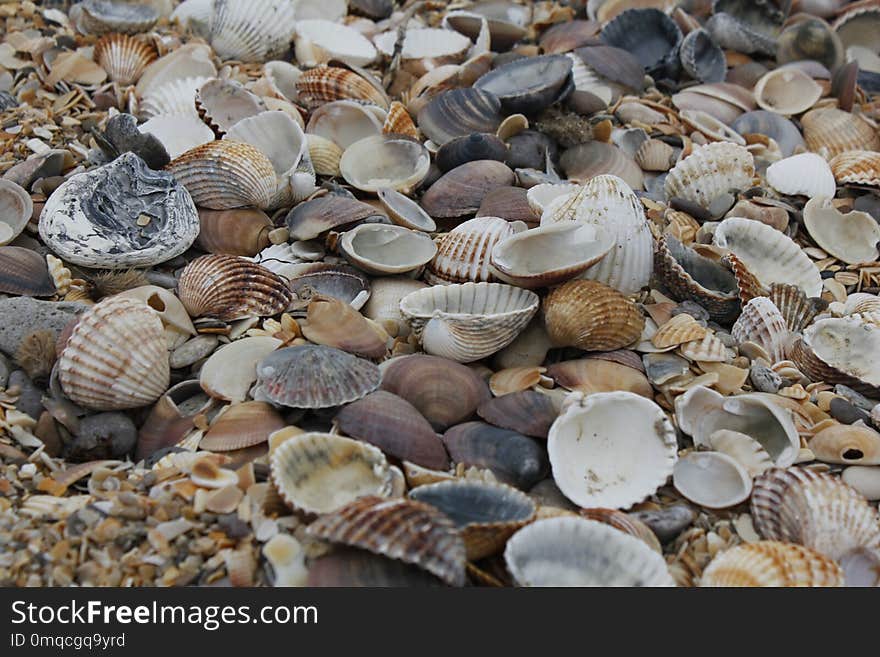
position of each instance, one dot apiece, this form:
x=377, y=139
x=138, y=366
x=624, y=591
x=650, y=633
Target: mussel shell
x=312, y=218
x=459, y=112
x=476, y=146
x=460, y=192
x=528, y=85
x=649, y=34
x=24, y=272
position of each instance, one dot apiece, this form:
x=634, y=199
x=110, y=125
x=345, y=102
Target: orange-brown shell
x=399, y=121
x=325, y=84
x=242, y=425
x=772, y=564
x=830, y=131
x=860, y=167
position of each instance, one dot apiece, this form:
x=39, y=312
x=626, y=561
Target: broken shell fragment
x=334, y=323
x=841, y=350
x=851, y=237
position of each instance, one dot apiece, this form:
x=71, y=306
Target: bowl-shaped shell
x=123, y=57
x=591, y=316
x=787, y=91
x=847, y=444
x=591, y=444
x=773, y=125
x=527, y=412
x=527, y=85
x=459, y=112
x=383, y=306
x=16, y=209
x=649, y=34
x=385, y=250
x=443, y=391
x=24, y=272
x=230, y=287
x=230, y=371
x=464, y=254
x=571, y=551
x=313, y=376
x=345, y=122
x=829, y=131
x=242, y=425
x=771, y=564
x=325, y=84
x=805, y=174
x=385, y=161
x=319, y=473
x=222, y=103
x=710, y=171
x=460, y=192
x=312, y=218
x=404, y=211
x=702, y=58
x=763, y=324
x=406, y=530
x=469, y=321
x=327, y=280
x=549, y=255
x=771, y=256
x=251, y=32
x=857, y=167
x=711, y=479
x=335, y=323
x=116, y=357
x=843, y=350
x=486, y=514
x=850, y=237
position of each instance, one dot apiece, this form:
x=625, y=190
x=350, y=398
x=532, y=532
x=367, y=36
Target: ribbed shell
x=771, y=564
x=804, y=174
x=226, y=174
x=314, y=377
x=829, y=131
x=796, y=307
x=116, y=357
x=242, y=425
x=24, y=272
x=254, y=31
x=399, y=121
x=325, y=155
x=762, y=323
x=174, y=97
x=860, y=167
x=655, y=155
x=231, y=287
x=406, y=530
x=464, y=253
x=843, y=350
x=679, y=329
x=591, y=316
x=709, y=171
x=624, y=522
x=526, y=411
x=324, y=84
x=123, y=57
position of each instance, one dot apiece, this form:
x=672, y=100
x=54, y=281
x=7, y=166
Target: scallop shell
x=850, y=237
x=527, y=412
x=771, y=564
x=829, y=131
x=318, y=41
x=464, y=254
x=768, y=254
x=857, y=167
x=461, y=191
x=459, y=112
x=16, y=209
x=678, y=330
x=762, y=323
x=385, y=161
x=24, y=272
x=711, y=479
x=571, y=551
x=178, y=133
x=345, y=122
x=313, y=376
x=787, y=91
x=470, y=321
x=710, y=171
x=116, y=357
x=324, y=84
x=123, y=57
x=251, y=32
x=589, y=442
x=230, y=287
x=94, y=219
x=222, y=103
x=843, y=350
x=173, y=98
x=702, y=58
x=847, y=445
x=591, y=316
x=806, y=174
x=406, y=530
x=797, y=309
x=242, y=425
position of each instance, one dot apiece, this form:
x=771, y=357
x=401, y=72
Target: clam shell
x=459, y=112
x=787, y=91
x=678, y=330
x=769, y=255
x=583, y=162
x=570, y=551
x=733, y=34
x=702, y=58
x=230, y=287
x=776, y=127
x=464, y=254
x=404, y=211
x=385, y=161
x=743, y=449
x=591, y=316
x=711, y=479
x=566, y=36
x=860, y=567
x=116, y=357
x=829, y=131
x=847, y=444
x=797, y=309
x=324, y=154
x=314, y=377
x=614, y=65
x=175, y=97
x=406, y=530
x=504, y=31
x=177, y=133
x=589, y=442
x=857, y=167
x=312, y=218
x=649, y=34
x=655, y=155
x=589, y=375
x=230, y=371
x=102, y=16
x=383, y=306
x=334, y=323
x=527, y=412
x=24, y=272
x=461, y=191
x=345, y=122
x=123, y=57
x=812, y=39
x=763, y=324
x=242, y=425
x=252, y=32
x=843, y=350
x=334, y=281
x=467, y=322
x=771, y=564
x=319, y=473
x=806, y=174
x=850, y=237
x=171, y=418
x=222, y=103
x=710, y=171
x=319, y=41
x=476, y=146
x=349, y=567
x=240, y=232
x=324, y=84
x=386, y=250
x=527, y=85
x=16, y=209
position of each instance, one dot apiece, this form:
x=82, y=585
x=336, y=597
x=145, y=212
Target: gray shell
x=91, y=219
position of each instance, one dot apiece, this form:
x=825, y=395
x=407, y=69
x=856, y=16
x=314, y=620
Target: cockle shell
x=678, y=330
x=805, y=174
x=173, y=98
x=711, y=479
x=655, y=155
x=797, y=309
x=222, y=103
x=702, y=58
x=829, y=131
x=464, y=253
x=16, y=209
x=251, y=32
x=857, y=167
x=850, y=237
x=325, y=155
x=787, y=91
x=852, y=444
x=119, y=215
x=649, y=34
x=771, y=564
x=116, y=357
x=325, y=84
x=710, y=171
x=383, y=306
x=102, y=16
x=123, y=57
x=762, y=323
x=841, y=350
x=399, y=122
x=193, y=60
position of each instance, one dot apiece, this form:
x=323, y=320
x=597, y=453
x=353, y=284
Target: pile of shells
x=439, y=294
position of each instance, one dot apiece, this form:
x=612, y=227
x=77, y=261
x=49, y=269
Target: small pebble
x=845, y=412
x=764, y=379
x=667, y=523
x=193, y=350
x=865, y=479
x=855, y=398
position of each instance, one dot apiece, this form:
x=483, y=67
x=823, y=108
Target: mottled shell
x=847, y=444
x=710, y=171
x=324, y=84
x=858, y=167
x=464, y=253
x=116, y=357
x=771, y=564
x=762, y=323
x=829, y=131
x=123, y=57
x=843, y=350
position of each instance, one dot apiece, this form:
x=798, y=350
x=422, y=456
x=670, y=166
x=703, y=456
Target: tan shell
x=847, y=444
x=116, y=357
x=382, y=161
x=708, y=349
x=589, y=375
x=230, y=287
x=796, y=307
x=230, y=371
x=762, y=323
x=771, y=564
x=383, y=306
x=710, y=171
x=655, y=155
x=325, y=155
x=384, y=250
x=858, y=167
x=243, y=232
x=324, y=84
x=678, y=330
x=242, y=425
x=515, y=379
x=787, y=91
x=841, y=350
x=123, y=57
x=16, y=209
x=334, y=323
x=591, y=316
x=464, y=253
x=829, y=132
x=399, y=122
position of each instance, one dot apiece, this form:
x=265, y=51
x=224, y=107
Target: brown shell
x=243, y=231
x=830, y=131
x=334, y=323
x=796, y=307
x=625, y=523
x=402, y=529
x=123, y=57
x=589, y=375
x=242, y=425
x=861, y=167
x=464, y=253
x=310, y=219
x=678, y=330
x=460, y=192
x=325, y=84
x=771, y=564
x=399, y=121
x=167, y=423
x=510, y=203
x=818, y=370
x=515, y=379
x=229, y=287
x=746, y=282
x=591, y=316
x=527, y=412
x=655, y=155
x=24, y=272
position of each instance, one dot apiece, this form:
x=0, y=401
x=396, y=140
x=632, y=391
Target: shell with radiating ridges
x=771, y=564
x=123, y=57
x=805, y=174
x=254, y=31
x=829, y=132
x=762, y=323
x=25, y=272
x=176, y=97
x=710, y=171
x=324, y=84
x=464, y=253
x=678, y=330
x=858, y=167
x=796, y=307
x=116, y=357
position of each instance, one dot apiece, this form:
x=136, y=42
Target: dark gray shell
x=733, y=34
x=92, y=218
x=375, y=9
x=24, y=272
x=459, y=112
x=702, y=58
x=811, y=39
x=476, y=502
x=530, y=84
x=614, y=64
x=529, y=150
x=350, y=567
x=310, y=219
x=774, y=125
x=476, y=146
x=122, y=136
x=649, y=34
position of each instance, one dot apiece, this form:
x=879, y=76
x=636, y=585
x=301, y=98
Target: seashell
x=769, y=255
x=318, y=473
x=230, y=371
x=95, y=219
x=345, y=122
x=325, y=155
x=528, y=85
x=16, y=209
x=226, y=174
x=422, y=535
x=626, y=523
x=467, y=322
x=614, y=65
x=476, y=146
x=175, y=98
x=385, y=161
x=549, y=255
x=771, y=564
x=443, y=391
x=311, y=219
x=591, y=316
x=459, y=112
x=841, y=350
x=763, y=324
x=102, y=16
x=812, y=39
x=678, y=330
x=594, y=158
x=572, y=551
x=486, y=514
x=115, y=357
x=324, y=84
x=169, y=308
x=649, y=34
x=512, y=457
x=733, y=34
x=24, y=272
x=846, y=444
x=702, y=58
x=242, y=425
x=773, y=125
x=708, y=125
x=541, y=196
x=230, y=287
x=743, y=449
x=857, y=167
x=787, y=91
x=384, y=250
x=710, y=171
x=850, y=237
x=464, y=254
x=527, y=412
x=255, y=32
x=405, y=212
x=813, y=509
x=383, y=306
x=503, y=33
x=708, y=349
x=690, y=276
x=564, y=37
x=805, y=174
x=171, y=418
x=348, y=567
x=797, y=309
x=655, y=155
x=334, y=281
x=860, y=567
x=193, y=60
x=587, y=444
x=177, y=133
x=711, y=479
x=701, y=412
x=123, y=57
x=589, y=375
x=399, y=122
x=460, y=192
x=334, y=323
x=424, y=49
x=319, y=41
x=222, y=103
x=239, y=232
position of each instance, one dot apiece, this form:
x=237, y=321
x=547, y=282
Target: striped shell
x=710, y=171
x=829, y=131
x=254, y=31
x=399, y=121
x=796, y=307
x=771, y=564
x=859, y=167
x=679, y=329
x=123, y=57
x=841, y=350
x=464, y=253
x=762, y=323
x=325, y=155
x=324, y=84
x=242, y=425
x=116, y=357
x=231, y=287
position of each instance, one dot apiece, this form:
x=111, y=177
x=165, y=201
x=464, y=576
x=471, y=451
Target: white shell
x=231, y=370
x=540, y=196
x=178, y=133
x=404, y=211
x=711, y=479
x=787, y=91
x=769, y=254
x=593, y=444
x=743, y=449
x=805, y=174
x=762, y=323
x=463, y=254
x=847, y=344
x=710, y=171
x=380, y=249
x=850, y=237
x=345, y=122
x=570, y=551
x=382, y=161
x=425, y=43
x=383, y=306
x=252, y=31
x=318, y=41
x=174, y=98
x=194, y=60
x=16, y=209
